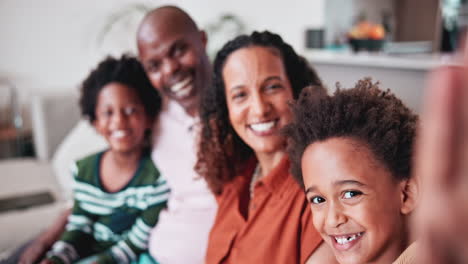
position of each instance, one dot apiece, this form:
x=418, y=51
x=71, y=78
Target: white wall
x=409, y=86
x=49, y=46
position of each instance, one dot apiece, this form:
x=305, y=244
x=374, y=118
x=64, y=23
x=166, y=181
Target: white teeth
x=178, y=88
x=346, y=239
x=183, y=92
x=119, y=134
x=262, y=127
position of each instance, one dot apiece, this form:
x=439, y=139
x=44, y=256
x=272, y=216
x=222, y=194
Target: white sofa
x=59, y=138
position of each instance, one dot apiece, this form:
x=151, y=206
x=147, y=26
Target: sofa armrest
x=23, y=177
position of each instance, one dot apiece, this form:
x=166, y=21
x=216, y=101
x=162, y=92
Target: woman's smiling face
x=257, y=94
x=358, y=206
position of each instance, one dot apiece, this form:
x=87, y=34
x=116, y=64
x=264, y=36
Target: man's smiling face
x=173, y=55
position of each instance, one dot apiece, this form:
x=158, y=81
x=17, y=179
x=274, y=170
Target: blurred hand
x=33, y=252
x=441, y=166
x=46, y=261
x=37, y=249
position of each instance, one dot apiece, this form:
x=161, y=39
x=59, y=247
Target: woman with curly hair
x=352, y=153
x=263, y=216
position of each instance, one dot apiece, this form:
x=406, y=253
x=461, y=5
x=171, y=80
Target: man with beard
x=172, y=51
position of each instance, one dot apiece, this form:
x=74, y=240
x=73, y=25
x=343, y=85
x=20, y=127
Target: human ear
x=409, y=195
x=95, y=124
x=149, y=123
x=204, y=38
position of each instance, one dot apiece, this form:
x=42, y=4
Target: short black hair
x=364, y=113
x=126, y=70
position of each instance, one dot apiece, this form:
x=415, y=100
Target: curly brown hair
x=221, y=151
x=365, y=113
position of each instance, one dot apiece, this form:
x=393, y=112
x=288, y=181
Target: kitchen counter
x=422, y=62
x=405, y=75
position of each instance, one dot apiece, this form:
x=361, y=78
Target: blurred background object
x=315, y=38
x=463, y=14
x=450, y=26
x=418, y=20
x=15, y=140
x=225, y=27
x=360, y=20
x=123, y=22
x=401, y=21
x=116, y=27
x=367, y=36
x=31, y=186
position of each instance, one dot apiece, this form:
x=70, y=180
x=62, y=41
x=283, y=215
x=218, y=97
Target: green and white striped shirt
x=113, y=227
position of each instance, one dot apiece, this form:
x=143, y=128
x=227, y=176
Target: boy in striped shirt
x=118, y=193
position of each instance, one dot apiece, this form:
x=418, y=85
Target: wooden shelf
x=15, y=143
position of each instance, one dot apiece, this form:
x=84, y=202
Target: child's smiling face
x=121, y=118
x=358, y=206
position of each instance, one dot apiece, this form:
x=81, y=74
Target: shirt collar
x=273, y=181
x=278, y=176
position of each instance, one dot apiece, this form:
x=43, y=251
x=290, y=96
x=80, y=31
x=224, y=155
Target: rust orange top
x=274, y=227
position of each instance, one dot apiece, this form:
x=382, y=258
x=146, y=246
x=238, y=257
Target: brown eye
x=239, y=95
x=351, y=194
x=107, y=113
x=179, y=50
x=274, y=86
x=153, y=66
x=317, y=200
x=129, y=110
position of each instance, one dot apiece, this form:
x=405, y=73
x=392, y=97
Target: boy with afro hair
x=352, y=153
x=118, y=193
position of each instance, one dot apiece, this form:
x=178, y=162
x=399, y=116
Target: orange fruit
x=376, y=32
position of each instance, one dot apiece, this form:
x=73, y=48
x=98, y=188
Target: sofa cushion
x=82, y=140
x=22, y=177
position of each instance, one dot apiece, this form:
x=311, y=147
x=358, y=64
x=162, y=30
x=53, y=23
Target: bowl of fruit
x=366, y=36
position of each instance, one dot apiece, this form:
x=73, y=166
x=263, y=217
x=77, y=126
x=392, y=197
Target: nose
x=335, y=215
x=260, y=105
x=118, y=119
x=169, y=66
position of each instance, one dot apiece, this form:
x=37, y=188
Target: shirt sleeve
x=78, y=232
x=136, y=241
x=310, y=238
